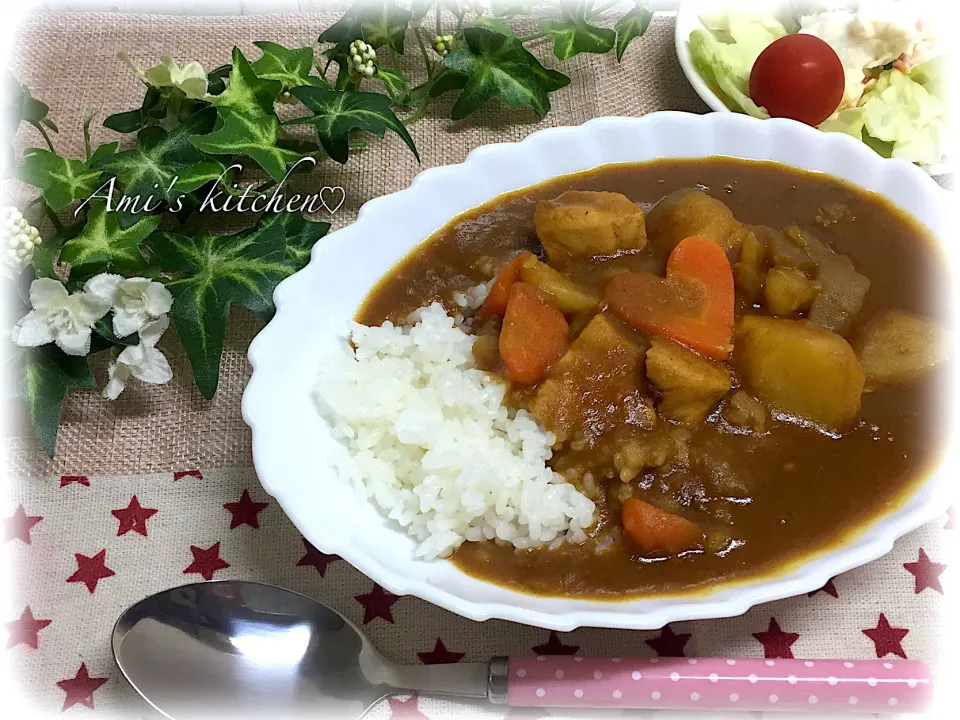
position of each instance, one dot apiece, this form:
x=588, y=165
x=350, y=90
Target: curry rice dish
x=739, y=363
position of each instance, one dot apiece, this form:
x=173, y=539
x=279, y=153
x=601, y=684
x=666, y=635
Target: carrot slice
x=496, y=302
x=693, y=305
x=534, y=334
x=656, y=531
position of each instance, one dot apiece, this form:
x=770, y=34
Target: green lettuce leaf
x=901, y=111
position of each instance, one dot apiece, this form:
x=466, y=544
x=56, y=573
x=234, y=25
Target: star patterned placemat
x=83, y=548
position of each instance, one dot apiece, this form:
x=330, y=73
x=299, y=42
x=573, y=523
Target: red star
x=951, y=519
x=409, y=708
x=91, y=570
x=80, y=688
x=439, y=655
x=377, y=604
x=554, y=646
x=669, y=644
x=886, y=638
x=19, y=525
x=133, y=517
x=206, y=562
x=23, y=630
x=187, y=473
x=926, y=573
x=776, y=643
x=68, y=479
x=315, y=558
x=244, y=511
x=828, y=587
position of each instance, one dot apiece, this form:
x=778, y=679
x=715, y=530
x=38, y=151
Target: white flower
x=142, y=361
x=191, y=78
x=59, y=317
x=135, y=301
x=18, y=238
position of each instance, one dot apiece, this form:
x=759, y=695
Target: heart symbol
x=692, y=305
x=333, y=191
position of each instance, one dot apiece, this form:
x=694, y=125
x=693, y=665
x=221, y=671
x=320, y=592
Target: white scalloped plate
x=291, y=443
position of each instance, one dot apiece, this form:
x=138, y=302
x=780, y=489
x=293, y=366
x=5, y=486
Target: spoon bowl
x=245, y=649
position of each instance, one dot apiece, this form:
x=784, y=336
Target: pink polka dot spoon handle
x=865, y=686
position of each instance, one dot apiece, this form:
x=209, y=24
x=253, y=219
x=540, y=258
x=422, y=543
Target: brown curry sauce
x=808, y=491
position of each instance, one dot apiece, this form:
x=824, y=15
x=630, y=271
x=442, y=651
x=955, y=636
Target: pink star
x=926, y=573
x=887, y=639
x=377, y=604
x=23, y=630
x=828, y=587
x=91, y=570
x=409, y=708
x=669, y=644
x=133, y=517
x=244, y=511
x=316, y=559
x=206, y=562
x=439, y=655
x=19, y=525
x=776, y=643
x=80, y=688
x=554, y=646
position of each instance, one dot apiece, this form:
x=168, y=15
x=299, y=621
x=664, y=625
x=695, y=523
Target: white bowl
x=688, y=20
x=291, y=442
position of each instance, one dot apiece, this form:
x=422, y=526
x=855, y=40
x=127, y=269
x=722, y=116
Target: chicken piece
x=580, y=224
x=636, y=452
x=743, y=411
x=787, y=291
x=595, y=386
x=688, y=212
x=691, y=385
x=801, y=369
x=898, y=347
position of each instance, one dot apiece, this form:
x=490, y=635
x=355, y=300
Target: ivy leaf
x=217, y=271
x=336, y=113
x=291, y=68
x=216, y=77
x=498, y=67
x=344, y=31
x=102, y=243
x=61, y=180
x=630, y=26
x=300, y=235
x=164, y=164
x=387, y=27
x=574, y=35
x=419, y=9
x=44, y=254
x=395, y=84
x=134, y=120
x=509, y=8
x=246, y=93
x=443, y=81
x=495, y=24
x=44, y=378
x=250, y=126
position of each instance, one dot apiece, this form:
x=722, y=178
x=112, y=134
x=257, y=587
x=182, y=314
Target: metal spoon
x=242, y=649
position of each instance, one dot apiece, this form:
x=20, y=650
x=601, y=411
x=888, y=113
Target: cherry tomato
x=798, y=77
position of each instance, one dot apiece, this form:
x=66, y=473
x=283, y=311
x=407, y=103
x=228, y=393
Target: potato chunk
x=570, y=296
x=749, y=271
x=801, y=369
x=595, y=387
x=743, y=411
x=787, y=291
x=899, y=347
x=691, y=385
x=688, y=212
x=580, y=224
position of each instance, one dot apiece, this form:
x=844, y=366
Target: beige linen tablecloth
x=157, y=488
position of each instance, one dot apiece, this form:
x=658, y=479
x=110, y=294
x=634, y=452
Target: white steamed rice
x=430, y=442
